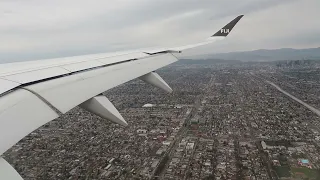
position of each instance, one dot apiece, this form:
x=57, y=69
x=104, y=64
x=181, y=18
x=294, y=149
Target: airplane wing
x=35, y=92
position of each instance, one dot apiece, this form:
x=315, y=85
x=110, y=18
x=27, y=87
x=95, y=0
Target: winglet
x=227, y=28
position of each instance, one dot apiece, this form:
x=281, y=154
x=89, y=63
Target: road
x=182, y=133
x=296, y=99
x=316, y=111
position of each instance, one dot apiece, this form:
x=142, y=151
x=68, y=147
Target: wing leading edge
x=34, y=93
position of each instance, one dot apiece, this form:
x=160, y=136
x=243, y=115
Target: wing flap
x=21, y=112
x=67, y=92
x=24, y=110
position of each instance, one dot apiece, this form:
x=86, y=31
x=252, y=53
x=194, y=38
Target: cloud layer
x=38, y=29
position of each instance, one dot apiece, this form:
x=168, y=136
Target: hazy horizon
x=44, y=29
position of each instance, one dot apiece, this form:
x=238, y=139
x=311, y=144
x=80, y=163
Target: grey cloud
x=43, y=29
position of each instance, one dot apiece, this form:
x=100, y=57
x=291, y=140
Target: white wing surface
x=35, y=92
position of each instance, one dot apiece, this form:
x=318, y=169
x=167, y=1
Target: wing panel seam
x=44, y=100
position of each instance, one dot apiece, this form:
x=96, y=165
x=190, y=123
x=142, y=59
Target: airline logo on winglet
x=227, y=28
x=225, y=31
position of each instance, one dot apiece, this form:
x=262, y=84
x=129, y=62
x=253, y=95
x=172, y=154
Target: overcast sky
x=36, y=29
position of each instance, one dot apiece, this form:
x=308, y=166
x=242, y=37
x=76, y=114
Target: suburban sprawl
x=225, y=120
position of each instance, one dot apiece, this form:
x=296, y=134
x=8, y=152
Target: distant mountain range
x=267, y=55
